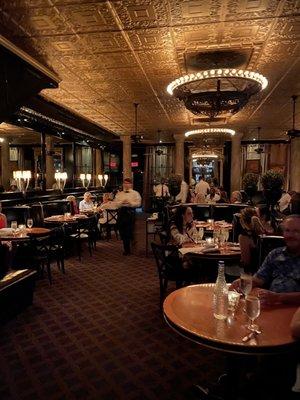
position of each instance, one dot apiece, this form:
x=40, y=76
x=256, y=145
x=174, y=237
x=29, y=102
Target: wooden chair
x=111, y=223
x=267, y=244
x=169, y=267
x=86, y=230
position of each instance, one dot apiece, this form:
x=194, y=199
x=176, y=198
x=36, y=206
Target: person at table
x=280, y=272
x=263, y=221
x=248, y=238
x=86, y=204
x=202, y=187
x=127, y=201
x=182, y=227
x=3, y=219
x=213, y=196
x=161, y=190
x=284, y=202
x=223, y=195
x=236, y=197
x=200, y=198
x=73, y=204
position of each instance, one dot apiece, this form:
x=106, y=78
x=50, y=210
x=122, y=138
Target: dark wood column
x=74, y=163
x=43, y=160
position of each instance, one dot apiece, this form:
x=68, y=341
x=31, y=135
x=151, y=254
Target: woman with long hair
x=182, y=227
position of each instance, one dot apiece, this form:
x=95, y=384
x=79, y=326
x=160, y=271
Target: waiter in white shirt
x=127, y=201
x=202, y=187
x=182, y=195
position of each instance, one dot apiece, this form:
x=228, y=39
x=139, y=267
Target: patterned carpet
x=97, y=333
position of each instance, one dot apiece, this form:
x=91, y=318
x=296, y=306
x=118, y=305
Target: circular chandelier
x=210, y=131
x=217, y=91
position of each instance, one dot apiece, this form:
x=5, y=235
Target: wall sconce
x=22, y=178
x=61, y=178
x=103, y=179
x=85, y=178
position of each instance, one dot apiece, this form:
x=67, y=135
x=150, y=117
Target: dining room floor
x=98, y=333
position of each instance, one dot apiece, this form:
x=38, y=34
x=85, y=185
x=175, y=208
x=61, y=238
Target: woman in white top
x=182, y=227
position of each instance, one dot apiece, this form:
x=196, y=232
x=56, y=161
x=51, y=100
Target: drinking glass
x=252, y=311
x=226, y=234
x=30, y=223
x=200, y=233
x=216, y=235
x=246, y=284
x=14, y=226
x=22, y=228
x=233, y=301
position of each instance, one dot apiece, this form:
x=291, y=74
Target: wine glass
x=30, y=223
x=200, y=233
x=14, y=226
x=252, y=311
x=226, y=235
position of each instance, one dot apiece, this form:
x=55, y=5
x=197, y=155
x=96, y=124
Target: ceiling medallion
x=210, y=131
x=217, y=91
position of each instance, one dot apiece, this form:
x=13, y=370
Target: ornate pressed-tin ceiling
x=110, y=54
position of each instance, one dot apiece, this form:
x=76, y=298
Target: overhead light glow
x=210, y=131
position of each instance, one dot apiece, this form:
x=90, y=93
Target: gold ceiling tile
x=151, y=38
x=291, y=7
x=287, y=28
x=194, y=11
x=254, y=31
x=249, y=9
x=118, y=60
x=11, y=5
x=196, y=8
x=99, y=42
x=195, y=36
x=88, y=17
x=40, y=21
x=142, y=14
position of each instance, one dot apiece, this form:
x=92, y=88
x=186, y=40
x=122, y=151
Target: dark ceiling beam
x=43, y=115
x=20, y=78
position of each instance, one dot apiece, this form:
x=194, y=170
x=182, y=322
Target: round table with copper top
x=25, y=234
x=37, y=231
x=188, y=311
x=223, y=253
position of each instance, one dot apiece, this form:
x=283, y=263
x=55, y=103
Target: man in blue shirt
x=280, y=272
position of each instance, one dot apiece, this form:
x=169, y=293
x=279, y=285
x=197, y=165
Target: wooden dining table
x=189, y=312
x=62, y=219
x=201, y=252
x=24, y=234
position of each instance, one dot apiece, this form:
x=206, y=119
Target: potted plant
x=272, y=182
x=250, y=182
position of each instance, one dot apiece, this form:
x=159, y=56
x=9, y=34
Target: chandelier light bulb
x=243, y=74
x=210, y=131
